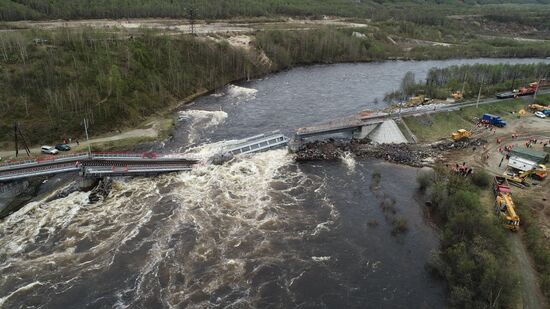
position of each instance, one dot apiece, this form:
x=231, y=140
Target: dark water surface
x=258, y=232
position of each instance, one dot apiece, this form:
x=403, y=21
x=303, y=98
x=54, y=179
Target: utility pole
x=87, y=138
x=17, y=132
x=537, y=90
x=191, y=14
x=15, y=137
x=479, y=93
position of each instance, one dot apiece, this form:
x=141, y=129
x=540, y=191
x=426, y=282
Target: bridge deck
x=98, y=171
x=258, y=143
x=133, y=163
x=342, y=124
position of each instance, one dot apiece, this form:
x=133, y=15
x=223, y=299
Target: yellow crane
x=504, y=207
x=539, y=173
x=461, y=134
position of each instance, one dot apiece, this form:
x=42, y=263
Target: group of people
x=487, y=126
x=462, y=170
x=70, y=140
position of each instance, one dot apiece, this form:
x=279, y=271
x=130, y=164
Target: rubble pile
x=408, y=154
x=101, y=191
x=448, y=145
x=330, y=149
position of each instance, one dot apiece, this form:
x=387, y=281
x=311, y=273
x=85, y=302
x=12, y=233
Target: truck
x=504, y=204
x=519, y=92
x=538, y=107
x=493, y=120
x=501, y=185
x=461, y=134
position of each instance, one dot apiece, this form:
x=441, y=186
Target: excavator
x=457, y=95
x=520, y=179
x=504, y=207
x=461, y=134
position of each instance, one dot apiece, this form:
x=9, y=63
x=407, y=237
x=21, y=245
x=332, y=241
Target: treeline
x=474, y=256
x=491, y=78
x=114, y=81
x=205, y=9
x=431, y=12
x=290, y=48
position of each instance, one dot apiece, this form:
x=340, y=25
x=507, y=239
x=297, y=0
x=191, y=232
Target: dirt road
x=531, y=294
x=489, y=158
x=183, y=26
x=151, y=132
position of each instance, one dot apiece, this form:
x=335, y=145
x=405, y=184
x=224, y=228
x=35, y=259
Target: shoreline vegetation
x=118, y=80
x=474, y=256
x=472, y=80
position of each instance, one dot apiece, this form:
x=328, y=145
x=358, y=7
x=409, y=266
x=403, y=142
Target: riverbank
x=530, y=247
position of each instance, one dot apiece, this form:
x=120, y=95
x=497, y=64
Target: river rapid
x=258, y=232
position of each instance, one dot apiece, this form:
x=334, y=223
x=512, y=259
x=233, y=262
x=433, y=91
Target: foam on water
x=241, y=92
x=222, y=216
x=205, y=120
x=349, y=160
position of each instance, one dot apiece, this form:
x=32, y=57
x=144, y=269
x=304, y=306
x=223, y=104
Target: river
x=258, y=232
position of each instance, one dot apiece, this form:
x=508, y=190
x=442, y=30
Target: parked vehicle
x=540, y=114
x=493, y=120
x=49, y=150
x=62, y=147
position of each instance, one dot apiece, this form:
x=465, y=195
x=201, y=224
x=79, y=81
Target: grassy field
x=440, y=125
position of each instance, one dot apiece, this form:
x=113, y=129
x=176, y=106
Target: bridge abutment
x=365, y=131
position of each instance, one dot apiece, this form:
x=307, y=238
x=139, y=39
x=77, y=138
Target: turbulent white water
x=349, y=160
x=242, y=93
x=199, y=121
x=222, y=216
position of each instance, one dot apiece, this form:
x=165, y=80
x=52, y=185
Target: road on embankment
x=455, y=106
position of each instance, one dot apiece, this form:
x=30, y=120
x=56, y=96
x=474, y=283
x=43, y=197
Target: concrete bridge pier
x=88, y=183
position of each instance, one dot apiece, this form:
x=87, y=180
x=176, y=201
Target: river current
x=258, y=232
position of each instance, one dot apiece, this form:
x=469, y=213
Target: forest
x=212, y=9
x=490, y=79
x=49, y=88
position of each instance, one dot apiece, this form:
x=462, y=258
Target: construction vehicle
x=417, y=100
x=457, y=95
x=501, y=185
x=505, y=208
x=461, y=134
x=538, y=107
x=519, y=92
x=504, y=205
x=493, y=120
x=522, y=113
x=520, y=179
